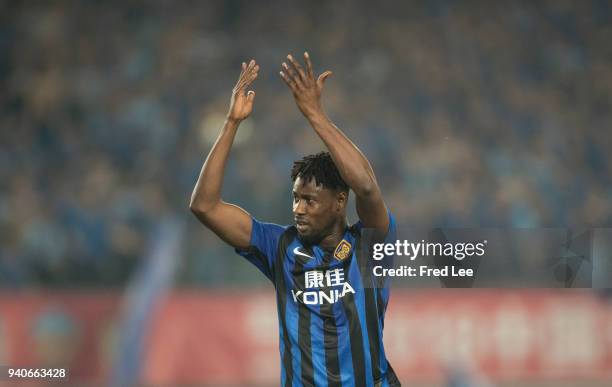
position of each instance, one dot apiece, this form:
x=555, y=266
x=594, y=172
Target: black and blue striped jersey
x=330, y=312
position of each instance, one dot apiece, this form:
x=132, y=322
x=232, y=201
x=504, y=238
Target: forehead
x=309, y=187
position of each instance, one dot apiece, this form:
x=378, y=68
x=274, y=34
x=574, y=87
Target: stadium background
x=472, y=114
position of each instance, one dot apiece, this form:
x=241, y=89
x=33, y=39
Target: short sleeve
x=263, y=246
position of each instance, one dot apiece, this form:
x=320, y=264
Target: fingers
x=294, y=75
x=290, y=72
x=247, y=76
x=250, y=74
x=308, y=65
x=298, y=69
x=244, y=68
x=289, y=81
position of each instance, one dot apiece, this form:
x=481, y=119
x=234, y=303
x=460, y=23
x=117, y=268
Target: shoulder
x=268, y=226
x=271, y=232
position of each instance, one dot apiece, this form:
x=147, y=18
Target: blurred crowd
x=480, y=114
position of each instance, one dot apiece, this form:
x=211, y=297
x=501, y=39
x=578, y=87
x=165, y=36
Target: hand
x=306, y=90
x=241, y=104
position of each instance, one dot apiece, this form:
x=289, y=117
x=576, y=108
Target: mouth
x=301, y=225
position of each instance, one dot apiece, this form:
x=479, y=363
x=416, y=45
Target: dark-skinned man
x=330, y=315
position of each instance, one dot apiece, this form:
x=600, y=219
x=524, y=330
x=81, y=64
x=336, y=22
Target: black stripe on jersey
x=381, y=307
x=304, y=338
x=356, y=336
x=373, y=338
x=281, y=294
x=330, y=343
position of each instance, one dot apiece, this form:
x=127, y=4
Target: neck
x=332, y=239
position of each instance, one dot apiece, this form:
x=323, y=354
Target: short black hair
x=321, y=167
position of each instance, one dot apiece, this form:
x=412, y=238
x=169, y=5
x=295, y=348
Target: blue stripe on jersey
x=281, y=344
x=347, y=374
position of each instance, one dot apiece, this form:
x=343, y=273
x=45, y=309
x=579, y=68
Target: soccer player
x=330, y=316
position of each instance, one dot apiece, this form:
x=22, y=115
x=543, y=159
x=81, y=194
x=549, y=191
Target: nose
x=299, y=207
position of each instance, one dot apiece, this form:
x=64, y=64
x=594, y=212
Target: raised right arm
x=230, y=222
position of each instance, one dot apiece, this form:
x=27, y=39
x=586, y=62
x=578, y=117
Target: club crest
x=342, y=250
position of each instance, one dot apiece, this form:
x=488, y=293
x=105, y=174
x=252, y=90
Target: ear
x=341, y=200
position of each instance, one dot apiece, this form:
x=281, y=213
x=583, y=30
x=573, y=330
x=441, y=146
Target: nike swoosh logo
x=298, y=252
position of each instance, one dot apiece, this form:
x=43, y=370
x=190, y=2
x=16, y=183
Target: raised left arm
x=353, y=166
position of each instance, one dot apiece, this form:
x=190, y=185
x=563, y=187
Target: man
x=330, y=312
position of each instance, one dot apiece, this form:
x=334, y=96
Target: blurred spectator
x=479, y=114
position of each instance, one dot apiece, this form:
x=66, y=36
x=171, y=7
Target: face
x=316, y=209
